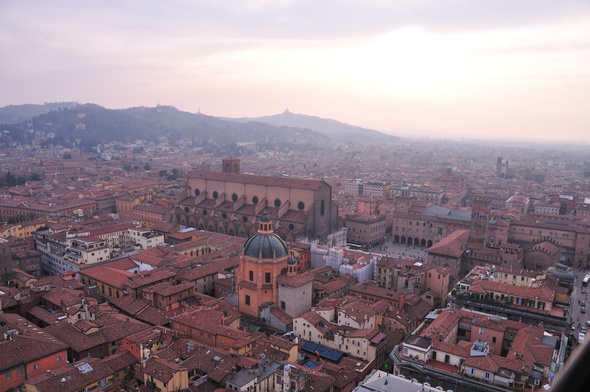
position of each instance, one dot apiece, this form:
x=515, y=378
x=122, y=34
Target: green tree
x=9, y=179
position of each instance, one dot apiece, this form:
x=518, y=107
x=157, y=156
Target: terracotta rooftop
x=453, y=245
x=257, y=180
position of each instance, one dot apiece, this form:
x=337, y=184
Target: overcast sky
x=436, y=68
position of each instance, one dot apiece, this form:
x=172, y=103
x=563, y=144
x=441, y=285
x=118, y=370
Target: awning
x=378, y=338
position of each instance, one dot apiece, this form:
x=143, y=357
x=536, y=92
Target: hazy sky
x=438, y=68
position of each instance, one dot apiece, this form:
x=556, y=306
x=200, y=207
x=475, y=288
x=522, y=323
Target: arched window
x=322, y=208
x=197, y=192
x=254, y=199
x=301, y=206
x=215, y=194
x=277, y=202
x=234, y=197
x=235, y=168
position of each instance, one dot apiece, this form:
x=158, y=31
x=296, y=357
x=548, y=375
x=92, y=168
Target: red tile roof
x=453, y=245
x=289, y=182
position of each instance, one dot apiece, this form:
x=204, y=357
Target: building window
x=58, y=358
x=254, y=199
x=8, y=375
x=36, y=366
x=267, y=277
x=251, y=276
x=301, y=206
x=322, y=208
x=215, y=194
x=234, y=197
x=283, y=305
x=247, y=300
x=277, y=202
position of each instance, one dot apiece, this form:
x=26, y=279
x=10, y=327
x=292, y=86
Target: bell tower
x=480, y=220
x=230, y=165
x=403, y=202
x=264, y=257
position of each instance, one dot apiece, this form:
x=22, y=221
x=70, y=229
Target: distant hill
x=329, y=127
x=13, y=114
x=90, y=124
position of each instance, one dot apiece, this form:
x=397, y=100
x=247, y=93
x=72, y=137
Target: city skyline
x=448, y=69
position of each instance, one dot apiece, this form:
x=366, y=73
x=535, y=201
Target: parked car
x=583, y=330
x=583, y=309
x=588, y=323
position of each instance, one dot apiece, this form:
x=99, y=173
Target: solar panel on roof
x=324, y=352
x=85, y=368
x=310, y=365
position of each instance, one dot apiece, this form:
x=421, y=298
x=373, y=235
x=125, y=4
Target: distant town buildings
x=180, y=270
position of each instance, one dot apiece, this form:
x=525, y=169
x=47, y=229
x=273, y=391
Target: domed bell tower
x=264, y=257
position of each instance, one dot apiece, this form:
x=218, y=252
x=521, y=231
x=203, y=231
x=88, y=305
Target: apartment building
x=366, y=344
x=478, y=351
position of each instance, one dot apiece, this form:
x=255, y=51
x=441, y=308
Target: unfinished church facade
x=230, y=202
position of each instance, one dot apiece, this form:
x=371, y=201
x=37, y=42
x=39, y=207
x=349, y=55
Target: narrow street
x=577, y=300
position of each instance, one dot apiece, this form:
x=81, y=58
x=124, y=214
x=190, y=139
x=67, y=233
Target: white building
x=63, y=250
x=353, y=187
x=144, y=238
x=365, y=344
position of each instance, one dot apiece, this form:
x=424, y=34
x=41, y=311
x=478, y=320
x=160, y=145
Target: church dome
x=265, y=244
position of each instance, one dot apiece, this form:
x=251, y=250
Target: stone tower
x=480, y=220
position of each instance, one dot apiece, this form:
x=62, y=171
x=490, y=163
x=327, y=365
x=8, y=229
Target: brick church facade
x=229, y=202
